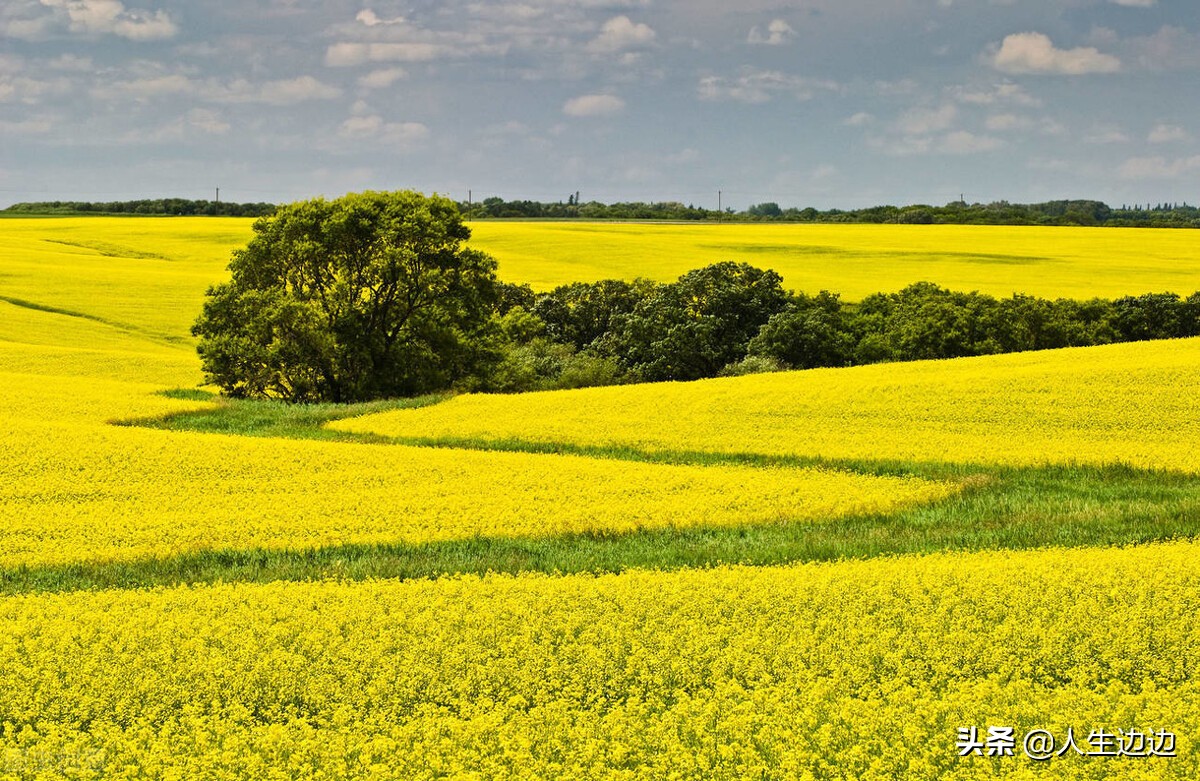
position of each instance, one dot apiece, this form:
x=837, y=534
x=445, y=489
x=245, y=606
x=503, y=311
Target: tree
x=809, y=333
x=694, y=327
x=1148, y=316
x=366, y=296
x=580, y=313
x=769, y=209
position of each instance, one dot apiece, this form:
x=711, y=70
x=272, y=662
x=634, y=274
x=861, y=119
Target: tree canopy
x=366, y=296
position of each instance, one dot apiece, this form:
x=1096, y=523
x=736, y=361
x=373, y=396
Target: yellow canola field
x=857, y=260
x=1131, y=403
x=71, y=493
x=75, y=489
x=89, y=264
x=855, y=670
x=144, y=277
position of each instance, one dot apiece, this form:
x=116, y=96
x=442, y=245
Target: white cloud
x=1004, y=92
x=1106, y=135
x=859, y=119
x=350, y=53
x=1158, y=167
x=30, y=91
x=1135, y=3
x=26, y=28
x=361, y=127
x=195, y=123
x=930, y=130
x=760, y=86
x=893, y=89
x=404, y=135
x=371, y=19
x=1165, y=134
x=962, y=142
x=1002, y=122
x=593, y=106
x=1035, y=53
x=372, y=38
x=922, y=121
x=282, y=92
x=1006, y=122
x=1169, y=48
x=621, y=33
x=145, y=88
x=510, y=128
x=507, y=12
x=778, y=33
x=32, y=126
x=100, y=17
x=382, y=79
x=207, y=121
x=69, y=62
x=958, y=142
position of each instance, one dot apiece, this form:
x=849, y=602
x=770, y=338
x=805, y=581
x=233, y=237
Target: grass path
x=999, y=508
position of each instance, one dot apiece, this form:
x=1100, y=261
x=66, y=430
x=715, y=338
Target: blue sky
x=828, y=103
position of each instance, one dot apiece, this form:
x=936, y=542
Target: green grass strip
x=270, y=418
x=999, y=508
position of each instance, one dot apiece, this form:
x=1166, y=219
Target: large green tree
x=694, y=327
x=366, y=296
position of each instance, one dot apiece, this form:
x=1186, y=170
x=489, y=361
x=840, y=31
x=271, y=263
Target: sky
x=824, y=103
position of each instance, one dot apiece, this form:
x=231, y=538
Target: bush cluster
x=732, y=318
x=376, y=294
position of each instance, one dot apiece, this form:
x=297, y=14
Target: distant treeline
x=732, y=318
x=176, y=207
x=1162, y=215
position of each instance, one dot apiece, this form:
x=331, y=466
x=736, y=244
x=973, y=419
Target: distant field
x=856, y=260
x=87, y=255
x=142, y=277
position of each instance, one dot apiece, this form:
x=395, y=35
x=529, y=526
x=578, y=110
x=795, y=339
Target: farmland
x=1128, y=404
x=819, y=574
x=857, y=260
x=854, y=260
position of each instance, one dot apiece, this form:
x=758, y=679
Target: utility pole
x=218, y=196
x=720, y=212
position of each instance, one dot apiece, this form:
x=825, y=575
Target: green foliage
x=770, y=209
x=810, y=332
x=581, y=313
x=520, y=326
x=694, y=327
x=542, y=364
x=753, y=364
x=1154, y=316
x=175, y=207
x=925, y=321
x=367, y=296
x=509, y=296
x=274, y=418
x=1078, y=212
